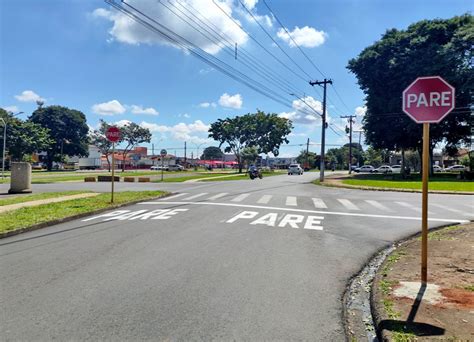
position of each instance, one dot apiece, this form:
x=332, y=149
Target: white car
x=383, y=169
x=365, y=169
x=456, y=168
x=437, y=168
x=175, y=168
x=155, y=168
x=396, y=168
x=295, y=169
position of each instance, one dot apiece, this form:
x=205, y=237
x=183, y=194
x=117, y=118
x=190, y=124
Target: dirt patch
x=402, y=307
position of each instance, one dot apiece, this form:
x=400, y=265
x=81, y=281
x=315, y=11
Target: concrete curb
x=71, y=218
x=373, y=188
x=377, y=312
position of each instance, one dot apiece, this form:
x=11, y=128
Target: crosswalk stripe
x=291, y=200
x=457, y=211
x=174, y=196
x=319, y=203
x=378, y=205
x=265, y=199
x=222, y=194
x=410, y=206
x=348, y=204
x=240, y=198
x=195, y=196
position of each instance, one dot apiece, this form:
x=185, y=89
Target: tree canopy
x=68, y=131
x=212, y=153
x=266, y=132
x=133, y=134
x=23, y=138
x=98, y=139
x=430, y=47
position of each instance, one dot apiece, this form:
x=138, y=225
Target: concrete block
x=20, y=181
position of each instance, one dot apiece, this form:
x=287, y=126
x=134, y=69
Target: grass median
x=30, y=216
x=36, y=197
x=437, y=183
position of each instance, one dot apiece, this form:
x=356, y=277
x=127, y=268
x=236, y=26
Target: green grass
x=439, y=182
x=29, y=216
x=469, y=288
x=35, y=197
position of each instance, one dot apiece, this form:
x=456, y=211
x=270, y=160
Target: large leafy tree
x=23, y=138
x=68, y=131
x=307, y=158
x=249, y=155
x=212, y=153
x=98, y=139
x=132, y=135
x=264, y=131
x=384, y=69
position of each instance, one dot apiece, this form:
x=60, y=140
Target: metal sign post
x=163, y=153
x=113, y=135
x=427, y=100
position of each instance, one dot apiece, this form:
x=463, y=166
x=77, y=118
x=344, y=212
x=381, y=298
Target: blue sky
x=85, y=55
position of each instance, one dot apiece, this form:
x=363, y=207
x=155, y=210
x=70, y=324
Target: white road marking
x=348, y=204
x=412, y=207
x=195, y=196
x=306, y=211
x=173, y=196
x=457, y=211
x=270, y=220
x=319, y=203
x=265, y=199
x=222, y=194
x=291, y=200
x=240, y=198
x=378, y=205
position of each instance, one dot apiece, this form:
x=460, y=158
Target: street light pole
x=4, y=145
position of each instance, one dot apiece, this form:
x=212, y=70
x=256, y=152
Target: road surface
x=236, y=260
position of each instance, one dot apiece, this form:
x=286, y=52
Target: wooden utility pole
x=323, y=134
x=350, y=139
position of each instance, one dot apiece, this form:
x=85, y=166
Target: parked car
x=365, y=169
x=383, y=169
x=456, y=168
x=175, y=168
x=295, y=169
x=155, y=168
x=437, y=168
x=396, y=168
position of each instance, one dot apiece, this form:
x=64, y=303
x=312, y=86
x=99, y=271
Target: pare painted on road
x=286, y=220
x=121, y=215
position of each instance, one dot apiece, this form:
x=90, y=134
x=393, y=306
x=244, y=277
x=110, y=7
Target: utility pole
x=350, y=139
x=307, y=153
x=323, y=134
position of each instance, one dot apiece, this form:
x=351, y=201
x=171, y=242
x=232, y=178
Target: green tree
x=311, y=158
x=429, y=47
x=264, y=131
x=212, y=153
x=249, y=155
x=132, y=135
x=373, y=157
x=68, y=131
x=23, y=138
x=98, y=139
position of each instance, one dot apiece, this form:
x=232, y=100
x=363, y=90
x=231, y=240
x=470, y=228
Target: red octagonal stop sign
x=428, y=99
x=113, y=134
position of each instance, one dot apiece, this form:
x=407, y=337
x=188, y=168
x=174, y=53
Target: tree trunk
x=108, y=162
x=49, y=162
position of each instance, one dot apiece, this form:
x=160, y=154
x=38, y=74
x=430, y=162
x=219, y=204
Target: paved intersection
x=246, y=260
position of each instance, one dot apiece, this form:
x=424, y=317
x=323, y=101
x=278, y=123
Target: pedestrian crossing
x=316, y=203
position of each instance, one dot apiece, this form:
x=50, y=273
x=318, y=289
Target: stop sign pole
x=113, y=135
x=427, y=100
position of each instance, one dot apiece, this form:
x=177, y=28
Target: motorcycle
x=254, y=173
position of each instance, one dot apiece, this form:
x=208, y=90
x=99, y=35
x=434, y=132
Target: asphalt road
x=236, y=260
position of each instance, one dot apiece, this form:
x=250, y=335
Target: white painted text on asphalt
x=288, y=220
x=158, y=214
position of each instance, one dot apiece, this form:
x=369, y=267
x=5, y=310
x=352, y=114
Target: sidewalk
x=16, y=206
x=404, y=310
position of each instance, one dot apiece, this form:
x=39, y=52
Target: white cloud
x=29, y=96
x=305, y=111
x=140, y=110
x=251, y=6
x=360, y=111
x=113, y=107
x=125, y=30
x=306, y=37
x=122, y=123
x=231, y=101
x=12, y=109
x=195, y=132
x=185, y=115
x=207, y=105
